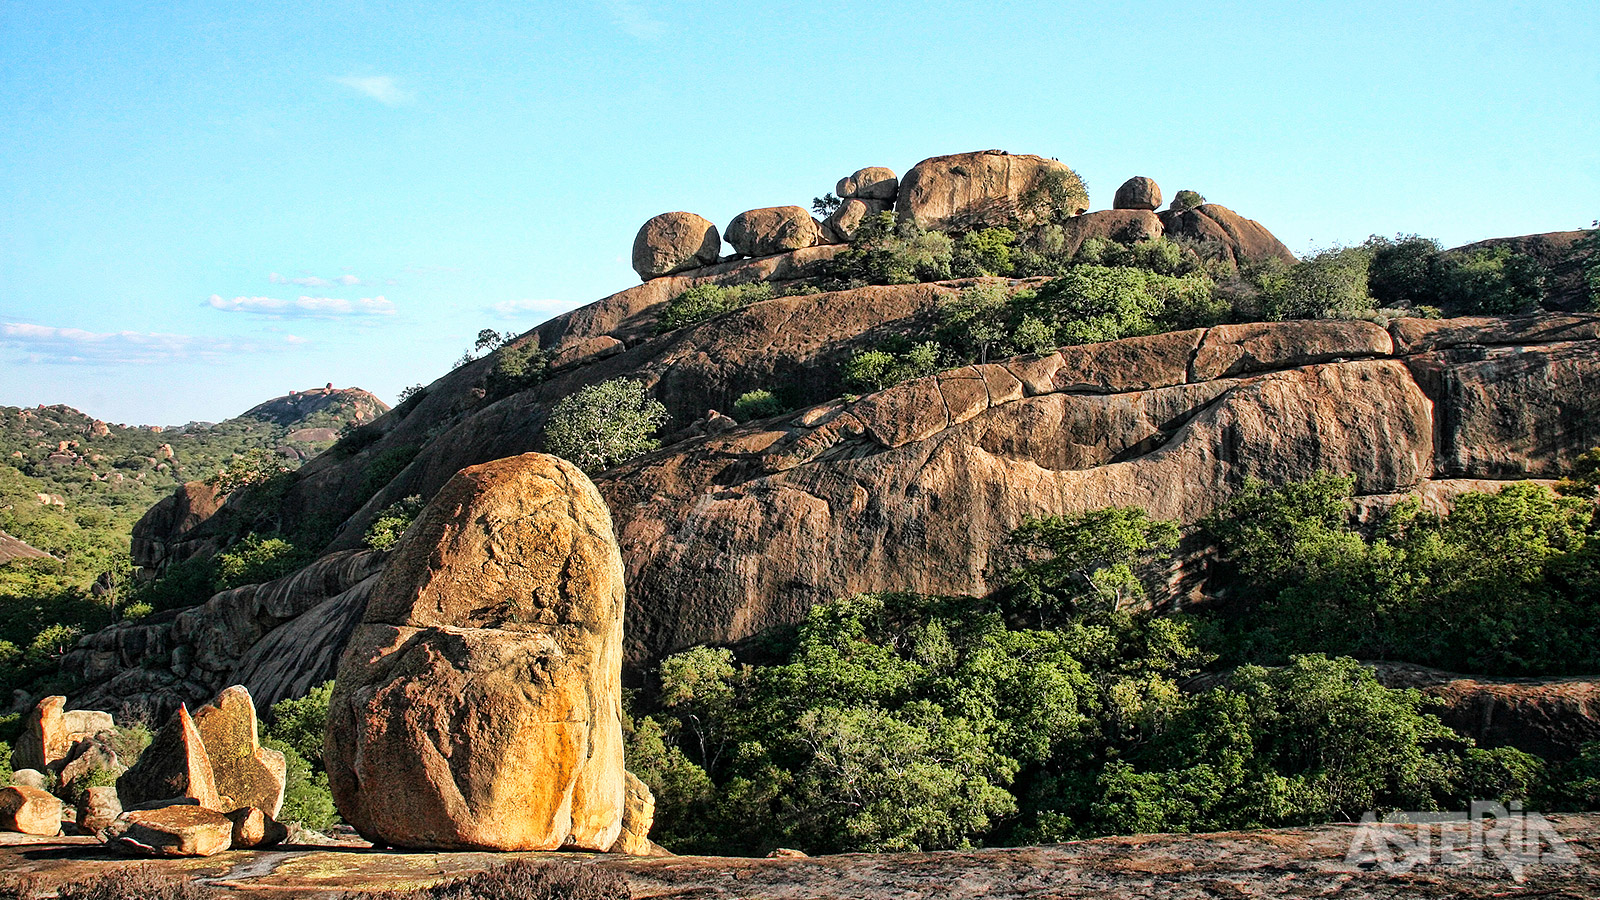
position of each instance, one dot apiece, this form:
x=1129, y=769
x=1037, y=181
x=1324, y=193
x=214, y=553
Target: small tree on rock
x=604, y=424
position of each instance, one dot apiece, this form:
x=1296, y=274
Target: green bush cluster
x=1186, y=200
x=392, y=522
x=296, y=730
x=517, y=367
x=890, y=250
x=1507, y=584
x=257, y=559
x=1411, y=271
x=385, y=467
x=889, y=363
x=604, y=424
x=706, y=301
x=759, y=404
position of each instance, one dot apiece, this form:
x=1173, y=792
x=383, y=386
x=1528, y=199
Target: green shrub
x=1096, y=303
x=975, y=319
x=759, y=404
x=517, y=367
x=603, y=424
x=984, y=252
x=386, y=530
x=257, y=559
x=889, y=364
x=1587, y=250
x=1085, y=562
x=182, y=585
x=1329, y=285
x=706, y=301
x=129, y=742
x=1055, y=196
x=252, y=467
x=887, y=250
x=1490, y=281
x=1574, y=786
x=5, y=763
x=301, y=722
x=1187, y=200
x=307, y=800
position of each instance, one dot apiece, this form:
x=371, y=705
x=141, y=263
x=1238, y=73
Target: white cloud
x=522, y=309
x=347, y=280
x=635, y=19
x=305, y=307
x=48, y=344
x=381, y=88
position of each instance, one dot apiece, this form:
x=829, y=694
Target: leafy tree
x=301, y=722
x=977, y=317
x=1088, y=561
x=604, y=424
x=517, y=367
x=1403, y=271
x=891, y=363
x=390, y=524
x=825, y=205
x=1096, y=303
x=248, y=469
x=983, y=252
x=887, y=250
x=1054, y=196
x=1588, y=250
x=1491, y=281
x=257, y=559
x=1332, y=284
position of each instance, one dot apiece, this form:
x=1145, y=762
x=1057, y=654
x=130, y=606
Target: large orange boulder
x=989, y=187
x=774, y=229
x=29, y=810
x=246, y=773
x=478, y=704
x=44, y=736
x=179, y=830
x=1232, y=236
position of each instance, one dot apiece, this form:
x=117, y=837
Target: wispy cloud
x=524, y=309
x=347, y=280
x=306, y=307
x=48, y=344
x=634, y=19
x=381, y=88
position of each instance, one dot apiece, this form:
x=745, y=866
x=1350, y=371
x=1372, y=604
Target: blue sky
x=204, y=205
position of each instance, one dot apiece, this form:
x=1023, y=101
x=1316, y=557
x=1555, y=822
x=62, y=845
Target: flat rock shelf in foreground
x=1287, y=862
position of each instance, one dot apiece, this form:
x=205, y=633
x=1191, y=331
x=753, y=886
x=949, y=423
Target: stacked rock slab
x=673, y=242
x=774, y=229
x=174, y=765
x=866, y=193
x=478, y=705
x=990, y=187
x=246, y=774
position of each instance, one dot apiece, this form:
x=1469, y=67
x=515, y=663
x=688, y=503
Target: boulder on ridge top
x=1238, y=240
x=478, y=704
x=1138, y=192
x=773, y=229
x=871, y=183
x=845, y=220
x=987, y=188
x=673, y=242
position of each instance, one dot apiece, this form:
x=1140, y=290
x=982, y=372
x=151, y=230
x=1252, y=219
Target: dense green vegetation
x=296, y=732
x=1054, y=709
x=73, y=487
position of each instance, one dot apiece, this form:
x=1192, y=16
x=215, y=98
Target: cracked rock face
x=478, y=705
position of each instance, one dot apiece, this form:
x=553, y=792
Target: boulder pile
x=168, y=803
x=478, y=705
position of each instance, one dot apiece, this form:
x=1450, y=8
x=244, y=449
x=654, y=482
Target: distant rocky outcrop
x=159, y=536
x=478, y=705
x=346, y=405
x=1568, y=288
x=673, y=242
x=973, y=190
x=12, y=548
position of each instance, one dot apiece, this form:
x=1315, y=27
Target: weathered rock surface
x=255, y=830
x=44, y=737
x=638, y=814
x=182, y=830
x=871, y=183
x=1548, y=717
x=1125, y=226
x=1138, y=192
x=479, y=702
x=771, y=230
x=174, y=765
x=673, y=242
x=1288, y=863
x=97, y=808
x=29, y=810
x=1230, y=235
x=1568, y=289
x=846, y=220
x=15, y=548
x=161, y=534
x=973, y=190
x=246, y=773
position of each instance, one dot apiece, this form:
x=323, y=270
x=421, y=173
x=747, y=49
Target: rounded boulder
x=847, y=219
x=674, y=242
x=871, y=183
x=989, y=188
x=1138, y=192
x=773, y=229
x=478, y=704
